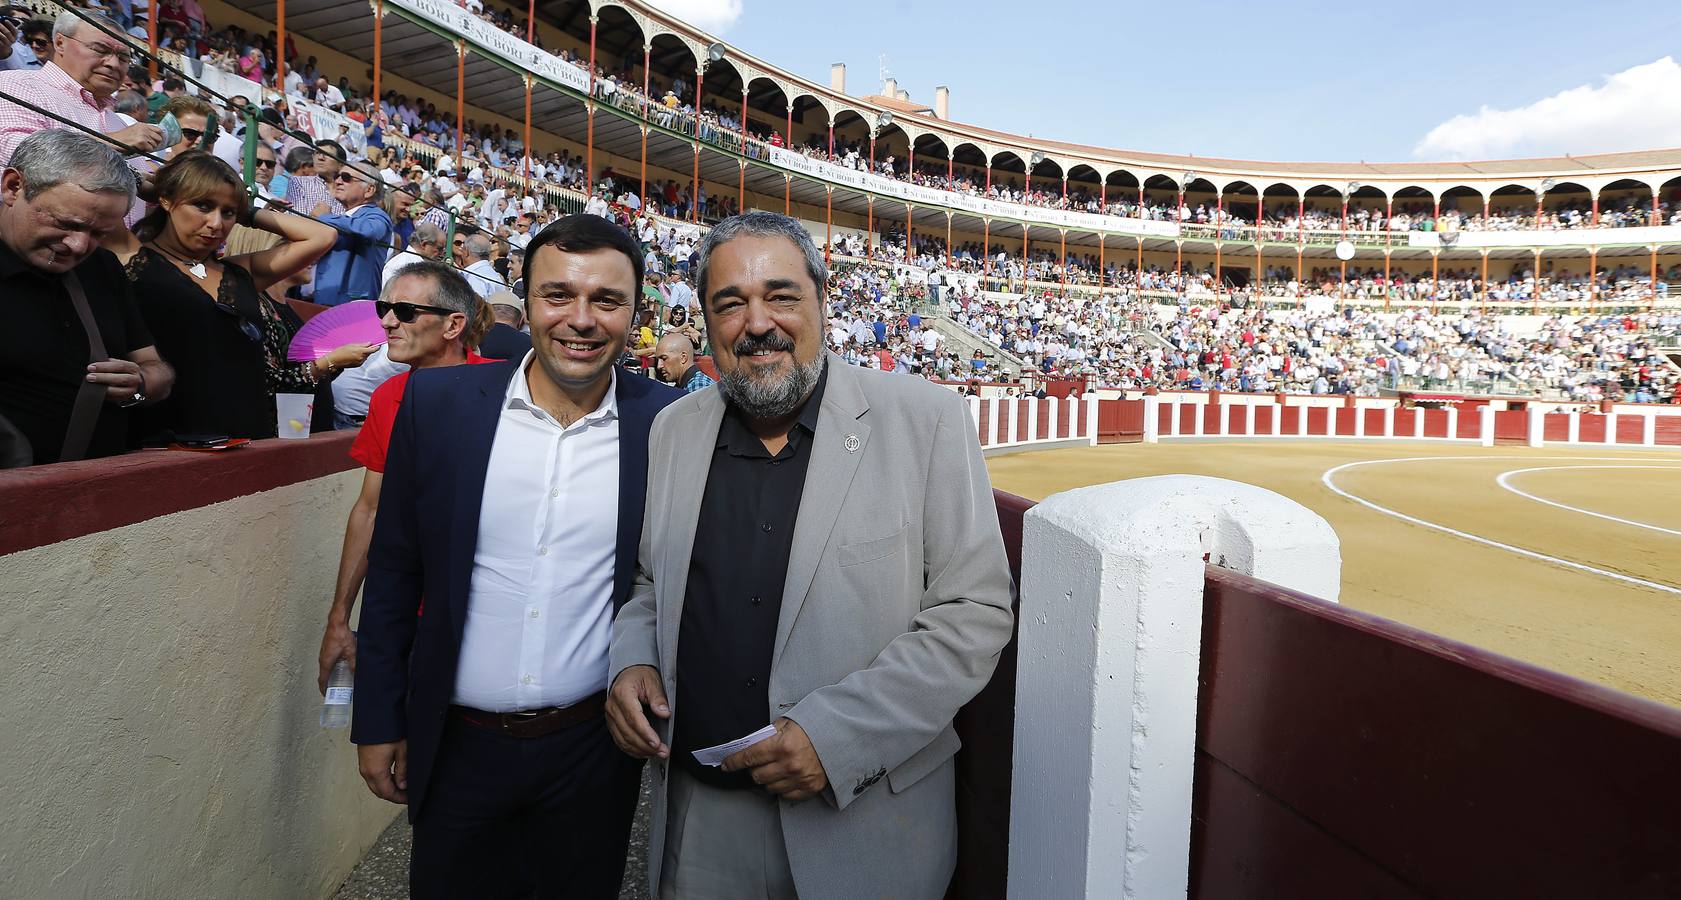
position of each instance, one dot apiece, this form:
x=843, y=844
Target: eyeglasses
x=246, y=326
x=117, y=55
x=192, y=135
x=39, y=43
x=345, y=176
x=266, y=163
x=406, y=311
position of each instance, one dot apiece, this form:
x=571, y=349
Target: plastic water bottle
x=335, y=709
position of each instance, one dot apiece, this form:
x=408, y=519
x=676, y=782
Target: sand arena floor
x=1567, y=558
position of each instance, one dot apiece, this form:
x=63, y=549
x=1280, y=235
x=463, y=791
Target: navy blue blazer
x=424, y=538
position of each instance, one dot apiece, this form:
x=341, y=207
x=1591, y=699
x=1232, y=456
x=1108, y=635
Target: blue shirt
x=880, y=329
x=351, y=270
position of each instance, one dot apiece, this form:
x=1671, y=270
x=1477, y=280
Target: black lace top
x=228, y=351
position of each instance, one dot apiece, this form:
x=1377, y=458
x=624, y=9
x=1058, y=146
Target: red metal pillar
x=742, y=189
x=1593, y=275
x=379, y=47
x=1482, y=291
x=1389, y=222
x=1025, y=240
x=1535, y=293
x=787, y=194
x=1102, y=278
x=1139, y=281
x=1064, y=244
x=1435, y=279
x=908, y=254
x=279, y=46
x=788, y=137
x=986, y=250
x=1596, y=209
x=694, y=189
x=951, y=170
x=831, y=139
x=1342, y=279
x=948, y=239
x=828, y=221
x=647, y=53
x=460, y=101
x=1386, y=281
x=589, y=109
x=870, y=227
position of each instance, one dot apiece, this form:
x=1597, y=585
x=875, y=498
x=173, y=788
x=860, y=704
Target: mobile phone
x=199, y=441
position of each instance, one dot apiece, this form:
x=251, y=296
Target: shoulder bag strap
x=90, y=397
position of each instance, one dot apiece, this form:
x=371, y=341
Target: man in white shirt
x=481, y=273
x=512, y=501
x=596, y=206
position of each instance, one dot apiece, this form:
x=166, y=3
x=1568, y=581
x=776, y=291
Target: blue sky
x=1287, y=81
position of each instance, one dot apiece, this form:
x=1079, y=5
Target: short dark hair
x=581, y=233
x=298, y=157
x=331, y=148
x=174, y=84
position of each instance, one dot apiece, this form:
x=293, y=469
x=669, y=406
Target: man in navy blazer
x=506, y=541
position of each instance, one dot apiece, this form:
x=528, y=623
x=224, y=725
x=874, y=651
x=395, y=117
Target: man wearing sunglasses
x=513, y=502
x=352, y=269
x=428, y=315
x=31, y=45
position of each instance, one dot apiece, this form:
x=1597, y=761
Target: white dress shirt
x=540, y=600
x=483, y=277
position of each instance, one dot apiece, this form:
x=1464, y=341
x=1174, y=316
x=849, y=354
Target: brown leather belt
x=534, y=723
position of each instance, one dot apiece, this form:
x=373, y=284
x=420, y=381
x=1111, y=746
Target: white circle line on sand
x=1329, y=480
x=1503, y=481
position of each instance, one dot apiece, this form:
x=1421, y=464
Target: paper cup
x=294, y=412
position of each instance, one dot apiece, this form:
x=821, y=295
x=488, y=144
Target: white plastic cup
x=293, y=414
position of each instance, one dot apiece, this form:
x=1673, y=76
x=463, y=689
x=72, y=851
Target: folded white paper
x=715, y=756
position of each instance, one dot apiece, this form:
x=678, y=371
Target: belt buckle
x=525, y=715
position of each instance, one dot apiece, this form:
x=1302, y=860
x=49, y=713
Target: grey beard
x=774, y=398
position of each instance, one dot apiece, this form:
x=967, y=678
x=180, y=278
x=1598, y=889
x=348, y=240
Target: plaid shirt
x=51, y=88
x=303, y=192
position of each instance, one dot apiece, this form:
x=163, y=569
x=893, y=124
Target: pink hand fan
x=348, y=323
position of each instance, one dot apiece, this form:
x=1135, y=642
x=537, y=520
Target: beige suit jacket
x=895, y=608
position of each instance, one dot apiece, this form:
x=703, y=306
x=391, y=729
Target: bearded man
x=827, y=575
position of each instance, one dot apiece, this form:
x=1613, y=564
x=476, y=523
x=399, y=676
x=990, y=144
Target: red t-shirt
x=371, y=445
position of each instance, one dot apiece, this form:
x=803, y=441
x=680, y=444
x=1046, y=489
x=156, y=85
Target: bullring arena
x=1343, y=498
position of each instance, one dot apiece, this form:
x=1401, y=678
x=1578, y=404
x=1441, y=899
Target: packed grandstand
x=957, y=253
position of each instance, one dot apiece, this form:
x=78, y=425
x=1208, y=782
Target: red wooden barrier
x=1263, y=419
x=1631, y=429
x=1668, y=431
x=1343, y=755
x=1132, y=420
x=1510, y=426
x=1470, y=422
x=987, y=727
x=1590, y=428
x=1556, y=427
x=984, y=422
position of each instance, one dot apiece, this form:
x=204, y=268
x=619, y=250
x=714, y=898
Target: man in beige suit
x=822, y=556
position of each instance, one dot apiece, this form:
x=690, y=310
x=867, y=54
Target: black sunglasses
x=246, y=326
x=406, y=312
x=39, y=43
x=266, y=163
x=192, y=135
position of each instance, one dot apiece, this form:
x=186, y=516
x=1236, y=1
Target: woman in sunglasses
x=192, y=116
x=210, y=315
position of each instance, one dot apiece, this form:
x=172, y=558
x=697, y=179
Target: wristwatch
x=136, y=399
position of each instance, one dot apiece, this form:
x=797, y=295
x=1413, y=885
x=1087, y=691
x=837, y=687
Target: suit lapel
x=686, y=471
x=473, y=431
x=635, y=417
x=834, y=461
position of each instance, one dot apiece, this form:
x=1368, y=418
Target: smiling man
x=512, y=502
x=831, y=568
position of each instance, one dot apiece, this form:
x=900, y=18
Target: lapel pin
x=853, y=443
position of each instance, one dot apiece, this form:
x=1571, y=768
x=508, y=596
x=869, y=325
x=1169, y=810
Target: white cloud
x=714, y=16
x=1636, y=109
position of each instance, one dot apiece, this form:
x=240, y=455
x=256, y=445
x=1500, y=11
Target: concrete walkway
x=384, y=873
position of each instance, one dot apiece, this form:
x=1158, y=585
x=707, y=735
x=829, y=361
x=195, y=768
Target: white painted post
x=992, y=421
x=1575, y=432
x=1106, y=690
x=1453, y=422
x=1249, y=419
x=1359, y=420
x=1090, y=405
x=1485, y=426
x=975, y=414
x=1173, y=420
x=1301, y=419
x=1152, y=418
x=1054, y=418
x=1199, y=414
x=1537, y=423
x=1220, y=414
x=1389, y=421
x=1032, y=420
x=1649, y=436
x=1610, y=428
x=1277, y=419
x=1418, y=423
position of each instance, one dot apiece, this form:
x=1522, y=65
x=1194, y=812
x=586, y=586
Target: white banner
x=516, y=50
x=1659, y=234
